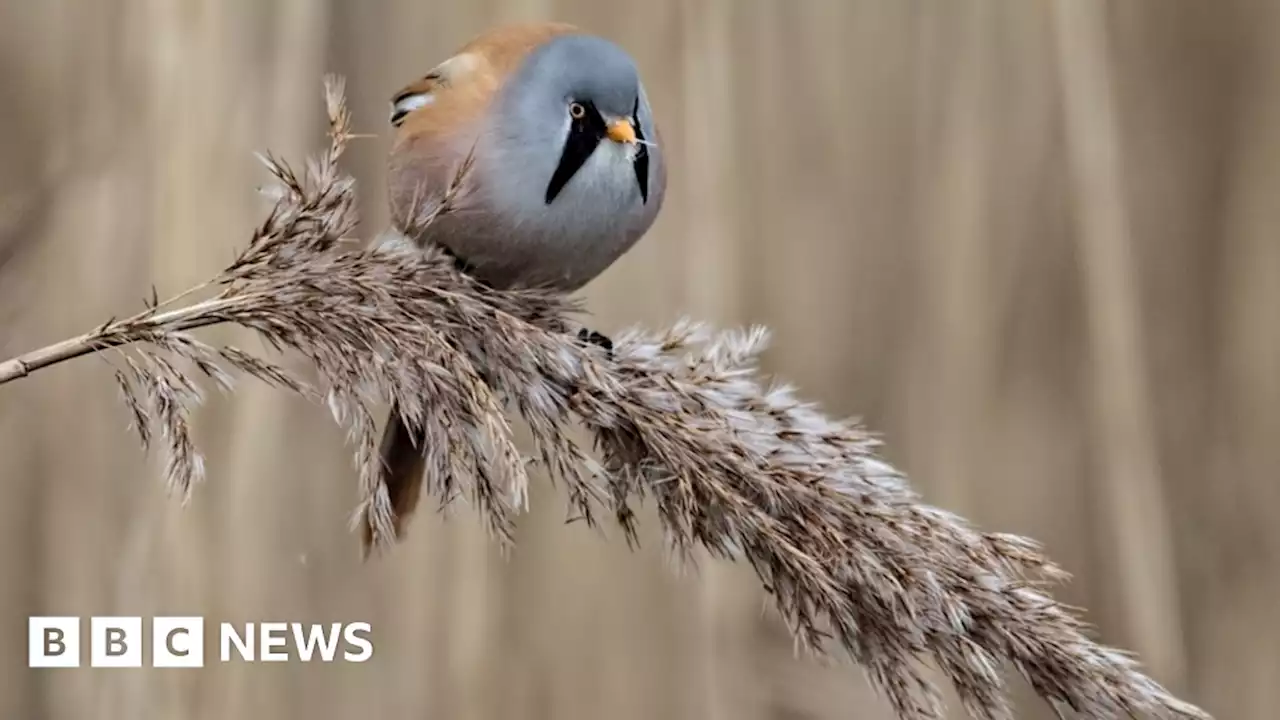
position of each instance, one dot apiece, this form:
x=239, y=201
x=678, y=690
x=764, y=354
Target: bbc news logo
x=178, y=642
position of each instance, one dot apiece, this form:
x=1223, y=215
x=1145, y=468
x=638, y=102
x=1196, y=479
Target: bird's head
x=579, y=101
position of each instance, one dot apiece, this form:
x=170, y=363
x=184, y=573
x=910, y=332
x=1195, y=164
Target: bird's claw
x=595, y=338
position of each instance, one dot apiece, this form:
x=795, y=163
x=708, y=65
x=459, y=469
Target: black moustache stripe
x=585, y=133
x=642, y=155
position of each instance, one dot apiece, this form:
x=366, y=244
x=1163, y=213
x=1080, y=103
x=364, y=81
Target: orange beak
x=622, y=131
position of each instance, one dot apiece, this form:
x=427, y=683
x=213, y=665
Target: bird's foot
x=595, y=338
x=459, y=264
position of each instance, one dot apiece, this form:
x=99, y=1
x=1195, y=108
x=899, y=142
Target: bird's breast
x=511, y=236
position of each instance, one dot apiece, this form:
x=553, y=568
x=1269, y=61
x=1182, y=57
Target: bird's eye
x=577, y=111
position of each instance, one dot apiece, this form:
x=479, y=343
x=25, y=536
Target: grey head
x=572, y=173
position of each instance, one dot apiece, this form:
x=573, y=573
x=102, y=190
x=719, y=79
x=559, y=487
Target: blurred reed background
x=1035, y=244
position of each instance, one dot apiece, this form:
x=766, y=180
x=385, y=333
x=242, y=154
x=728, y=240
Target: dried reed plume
x=734, y=465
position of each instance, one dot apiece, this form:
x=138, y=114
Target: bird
x=565, y=173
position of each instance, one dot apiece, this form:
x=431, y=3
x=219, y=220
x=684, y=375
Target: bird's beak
x=622, y=131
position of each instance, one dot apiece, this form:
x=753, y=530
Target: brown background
x=1035, y=244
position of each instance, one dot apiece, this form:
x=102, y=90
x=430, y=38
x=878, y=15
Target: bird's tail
x=403, y=464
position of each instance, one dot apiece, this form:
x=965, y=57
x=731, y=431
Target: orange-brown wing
x=504, y=47
x=438, y=116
